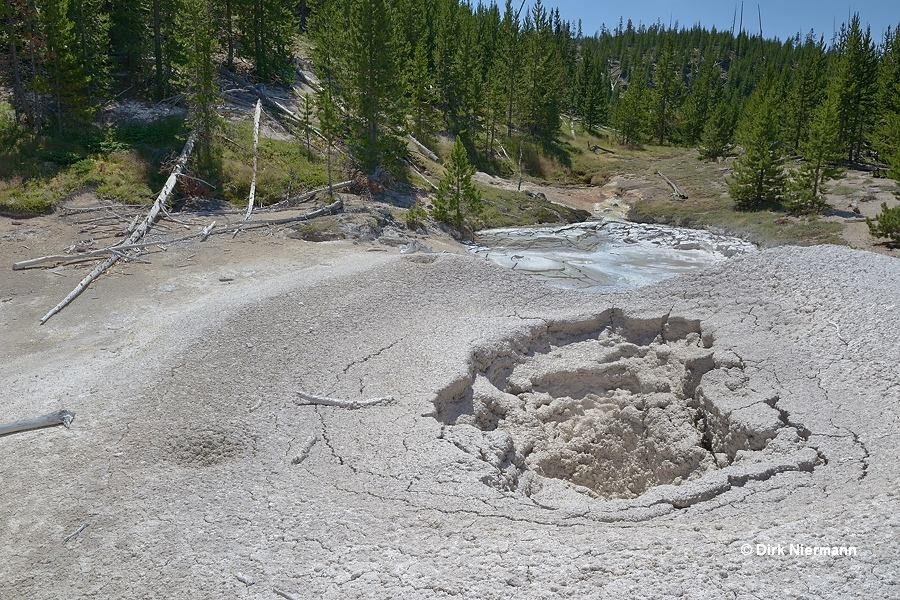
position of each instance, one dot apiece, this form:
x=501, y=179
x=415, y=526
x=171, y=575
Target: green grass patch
x=762, y=227
x=505, y=208
x=283, y=168
x=126, y=164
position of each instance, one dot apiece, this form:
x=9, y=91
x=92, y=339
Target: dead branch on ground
x=312, y=399
x=678, y=193
x=60, y=417
x=138, y=233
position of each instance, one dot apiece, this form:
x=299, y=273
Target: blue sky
x=780, y=18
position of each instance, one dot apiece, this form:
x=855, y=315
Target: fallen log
x=60, y=417
x=678, y=193
x=325, y=210
x=24, y=264
x=423, y=149
x=138, y=233
x=312, y=399
x=420, y=174
x=307, y=195
x=595, y=148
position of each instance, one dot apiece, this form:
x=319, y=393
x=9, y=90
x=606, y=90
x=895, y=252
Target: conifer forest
x=501, y=79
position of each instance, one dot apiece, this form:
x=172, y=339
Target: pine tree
x=715, y=140
x=326, y=26
x=370, y=84
x=67, y=82
x=855, y=80
x=666, y=92
x=542, y=72
x=630, y=116
x=196, y=28
x=267, y=29
x=819, y=150
x=887, y=129
x=457, y=197
x=757, y=179
x=705, y=94
x=90, y=26
x=807, y=90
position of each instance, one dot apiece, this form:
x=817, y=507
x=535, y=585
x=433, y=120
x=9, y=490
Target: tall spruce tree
x=370, y=83
x=757, y=179
x=630, y=111
x=267, y=29
x=457, y=198
x=807, y=90
x=820, y=150
x=887, y=128
x=666, y=90
x=855, y=82
x=196, y=27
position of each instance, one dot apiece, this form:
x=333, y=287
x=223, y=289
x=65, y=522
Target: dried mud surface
x=543, y=443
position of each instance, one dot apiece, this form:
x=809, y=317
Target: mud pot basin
x=630, y=417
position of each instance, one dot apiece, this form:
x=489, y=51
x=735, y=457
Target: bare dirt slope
x=201, y=476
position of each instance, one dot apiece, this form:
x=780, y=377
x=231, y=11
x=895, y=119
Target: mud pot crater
x=644, y=411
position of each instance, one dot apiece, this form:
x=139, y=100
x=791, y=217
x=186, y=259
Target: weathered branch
x=311, y=399
x=307, y=195
x=325, y=210
x=305, y=450
x=678, y=193
x=420, y=174
x=252, y=196
x=24, y=264
x=423, y=149
x=76, y=532
x=60, y=417
x=138, y=233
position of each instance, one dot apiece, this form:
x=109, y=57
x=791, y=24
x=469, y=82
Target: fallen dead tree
x=678, y=193
x=138, y=233
x=308, y=195
x=60, y=417
x=117, y=249
x=312, y=399
x=423, y=149
x=325, y=210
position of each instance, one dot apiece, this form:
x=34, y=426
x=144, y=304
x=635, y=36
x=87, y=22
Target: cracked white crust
x=385, y=506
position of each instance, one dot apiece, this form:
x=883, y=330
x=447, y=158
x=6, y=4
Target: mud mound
x=617, y=407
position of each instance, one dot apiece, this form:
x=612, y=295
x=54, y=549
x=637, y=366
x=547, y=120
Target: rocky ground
x=688, y=439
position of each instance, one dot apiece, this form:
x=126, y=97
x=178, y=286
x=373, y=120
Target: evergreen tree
x=369, y=84
x=326, y=26
x=196, y=26
x=91, y=30
x=819, y=150
x=757, y=179
x=854, y=81
x=457, y=197
x=666, y=92
x=542, y=76
x=630, y=117
x=807, y=89
x=267, y=29
x=66, y=79
x=887, y=128
x=715, y=141
x=129, y=36
x=705, y=95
